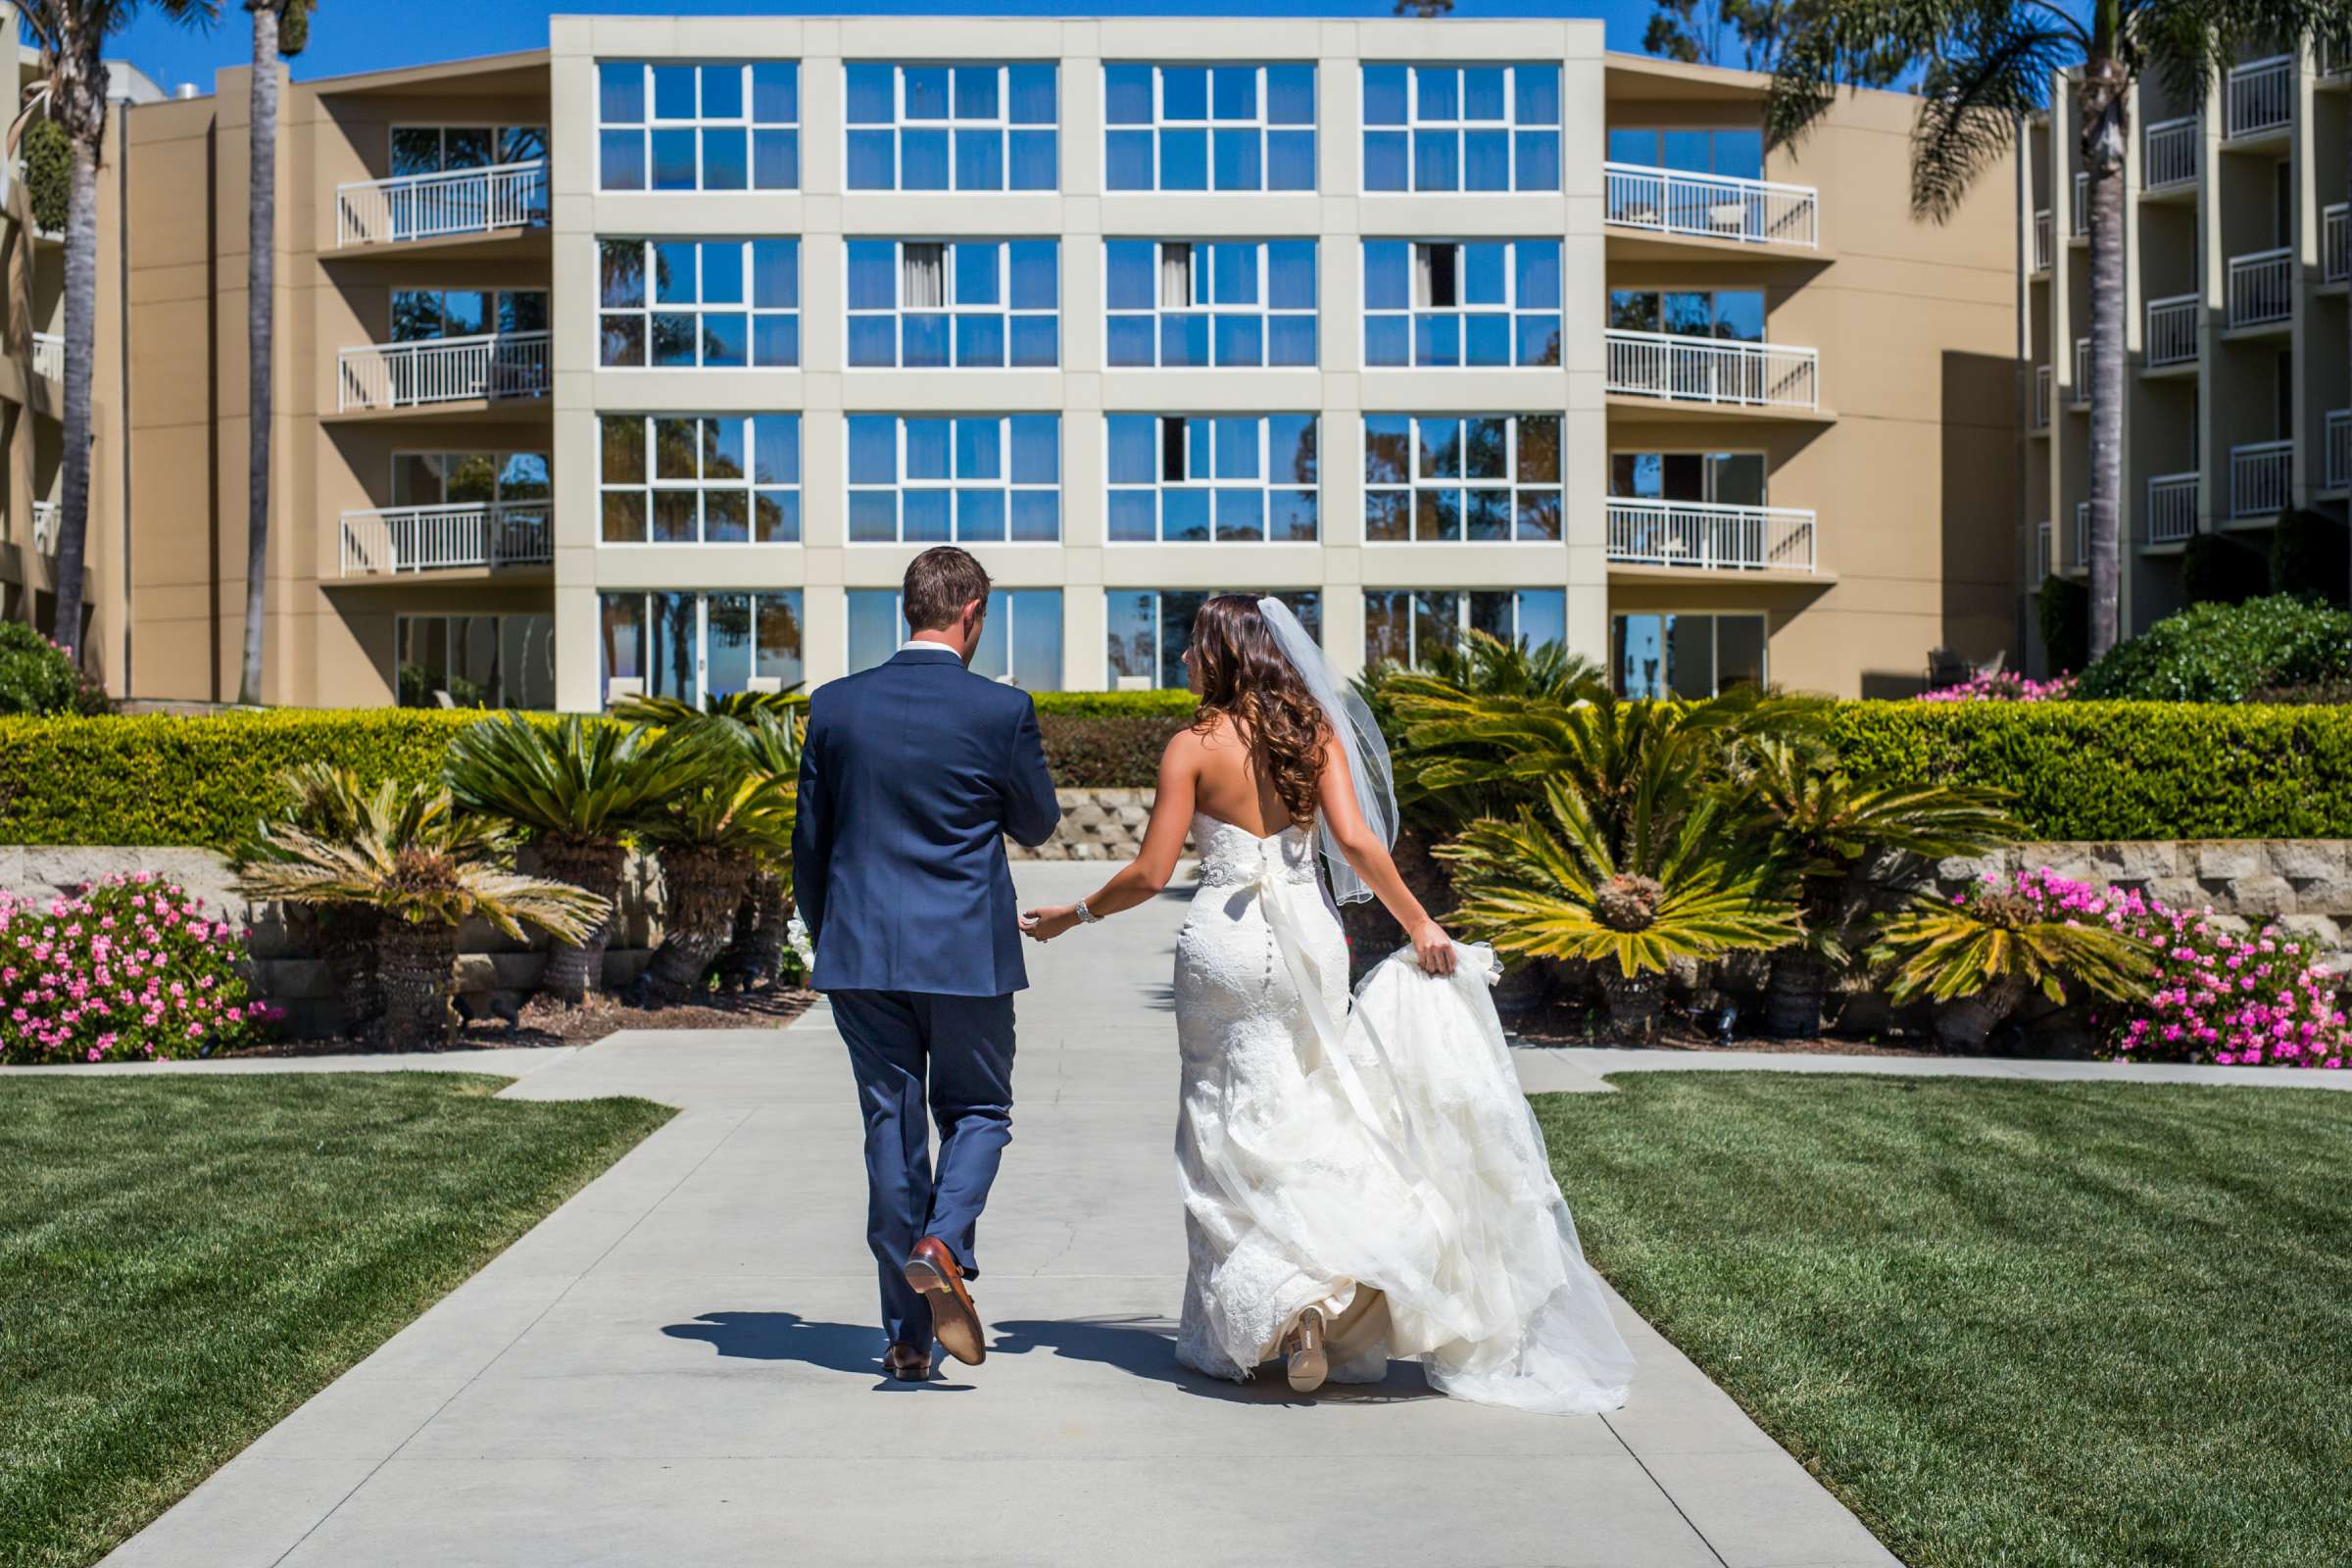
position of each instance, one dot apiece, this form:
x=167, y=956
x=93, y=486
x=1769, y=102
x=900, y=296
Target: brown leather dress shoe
x=933, y=1270
x=906, y=1363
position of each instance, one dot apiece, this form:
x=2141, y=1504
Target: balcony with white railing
x=2077, y=547
x=2259, y=96
x=49, y=355
x=2335, y=245
x=2261, y=479
x=2041, y=396
x=1705, y=370
x=1709, y=536
x=2173, y=330
x=2262, y=287
x=450, y=369
x=45, y=515
x=2168, y=154
x=1756, y=211
x=447, y=205
x=2041, y=240
x=2079, y=395
x=446, y=538
x=2339, y=449
x=2172, y=508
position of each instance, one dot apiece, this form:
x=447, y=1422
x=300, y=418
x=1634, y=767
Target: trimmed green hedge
x=2077, y=770
x=2125, y=771
x=168, y=779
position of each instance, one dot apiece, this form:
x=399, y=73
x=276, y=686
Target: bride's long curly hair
x=1244, y=676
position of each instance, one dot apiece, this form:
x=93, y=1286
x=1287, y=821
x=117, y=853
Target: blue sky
x=350, y=35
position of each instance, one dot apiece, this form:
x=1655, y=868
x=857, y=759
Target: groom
x=911, y=774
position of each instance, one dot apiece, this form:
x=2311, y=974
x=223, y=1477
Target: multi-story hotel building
x=647, y=361
x=2234, y=264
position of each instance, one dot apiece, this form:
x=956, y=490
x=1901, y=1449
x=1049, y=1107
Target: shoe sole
x=1308, y=1365
x=952, y=1318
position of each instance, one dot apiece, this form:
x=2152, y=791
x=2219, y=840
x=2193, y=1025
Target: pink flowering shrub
x=131, y=969
x=2248, y=999
x=2003, y=686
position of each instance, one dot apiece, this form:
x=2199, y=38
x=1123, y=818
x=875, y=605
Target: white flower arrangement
x=796, y=934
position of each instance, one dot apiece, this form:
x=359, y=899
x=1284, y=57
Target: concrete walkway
x=677, y=1367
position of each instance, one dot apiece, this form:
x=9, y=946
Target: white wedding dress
x=1324, y=1150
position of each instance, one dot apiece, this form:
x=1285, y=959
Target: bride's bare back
x=1230, y=779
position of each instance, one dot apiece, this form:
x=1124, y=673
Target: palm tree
x=424, y=871
x=71, y=36
x=1986, y=64
x=280, y=28
x=1551, y=885
x=575, y=788
x=1835, y=843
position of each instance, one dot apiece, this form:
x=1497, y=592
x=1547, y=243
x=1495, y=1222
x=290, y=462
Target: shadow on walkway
x=1146, y=1348
x=790, y=1336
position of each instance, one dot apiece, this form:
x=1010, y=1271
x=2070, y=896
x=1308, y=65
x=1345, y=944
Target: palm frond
x=577, y=777
x=1943, y=952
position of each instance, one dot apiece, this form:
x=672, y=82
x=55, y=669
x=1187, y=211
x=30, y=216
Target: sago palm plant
x=1977, y=955
x=708, y=840
x=424, y=871
x=573, y=788
x=1486, y=755
x=756, y=955
x=1833, y=842
x=1549, y=884
x=329, y=803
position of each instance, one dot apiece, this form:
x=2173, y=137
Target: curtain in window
x=1175, y=277
x=923, y=277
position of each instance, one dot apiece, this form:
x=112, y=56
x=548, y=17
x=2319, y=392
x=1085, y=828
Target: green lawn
x=184, y=1261
x=2007, y=1323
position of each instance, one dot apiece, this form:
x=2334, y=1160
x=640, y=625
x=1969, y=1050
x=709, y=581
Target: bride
x=1357, y=1183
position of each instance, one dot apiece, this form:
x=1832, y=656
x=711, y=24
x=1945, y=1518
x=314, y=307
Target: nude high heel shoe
x=1305, y=1359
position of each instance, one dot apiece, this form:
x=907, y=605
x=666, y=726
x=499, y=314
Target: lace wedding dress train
x=1324, y=1150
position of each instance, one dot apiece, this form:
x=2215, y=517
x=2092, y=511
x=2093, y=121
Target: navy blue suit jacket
x=911, y=774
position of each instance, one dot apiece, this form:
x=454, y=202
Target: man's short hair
x=939, y=583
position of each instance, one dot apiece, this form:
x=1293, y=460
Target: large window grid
x=929, y=304
x=727, y=478
x=971, y=126
x=1461, y=127
x=715, y=302
x=1149, y=628
x=1229, y=127
x=1020, y=641
x=722, y=125
x=1228, y=478
x=1476, y=303
x=1179, y=304
x=695, y=646
x=1454, y=477
x=969, y=479
x=1668, y=655
x=1404, y=625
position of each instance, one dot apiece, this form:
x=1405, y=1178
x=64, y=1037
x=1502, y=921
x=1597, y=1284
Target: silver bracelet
x=1087, y=917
